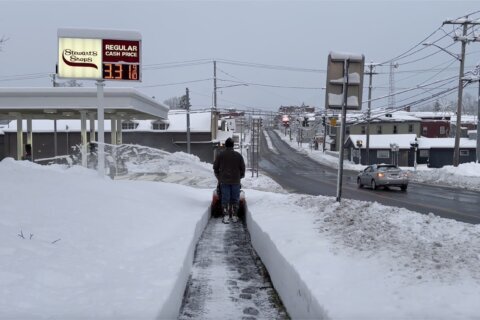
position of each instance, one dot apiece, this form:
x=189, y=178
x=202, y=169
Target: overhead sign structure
x=344, y=72
x=99, y=54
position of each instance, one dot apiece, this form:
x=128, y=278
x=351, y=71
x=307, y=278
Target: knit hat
x=229, y=143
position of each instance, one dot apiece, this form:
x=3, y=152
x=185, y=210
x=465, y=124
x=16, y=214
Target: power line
x=173, y=83
x=270, y=66
x=272, y=85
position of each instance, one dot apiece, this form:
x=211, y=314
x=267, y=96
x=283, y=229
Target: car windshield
x=387, y=168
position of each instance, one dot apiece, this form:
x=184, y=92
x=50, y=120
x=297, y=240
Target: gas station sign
x=99, y=54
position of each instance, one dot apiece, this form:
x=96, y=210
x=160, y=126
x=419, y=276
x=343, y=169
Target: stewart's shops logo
x=79, y=58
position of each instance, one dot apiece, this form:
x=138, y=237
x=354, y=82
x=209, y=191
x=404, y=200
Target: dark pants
x=230, y=193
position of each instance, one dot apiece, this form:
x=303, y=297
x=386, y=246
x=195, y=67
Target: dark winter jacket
x=229, y=167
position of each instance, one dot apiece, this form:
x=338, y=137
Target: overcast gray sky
x=265, y=36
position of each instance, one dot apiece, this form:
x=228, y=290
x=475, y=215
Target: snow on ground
x=361, y=260
x=126, y=247
x=466, y=175
x=93, y=248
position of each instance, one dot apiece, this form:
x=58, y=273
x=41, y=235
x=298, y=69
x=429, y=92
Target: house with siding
x=435, y=152
x=390, y=123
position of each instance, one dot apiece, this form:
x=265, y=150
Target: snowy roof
x=428, y=143
x=382, y=141
x=466, y=118
x=199, y=121
x=395, y=117
x=223, y=135
x=379, y=141
x=67, y=102
x=48, y=126
x=430, y=114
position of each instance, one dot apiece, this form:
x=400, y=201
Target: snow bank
x=294, y=292
x=94, y=248
x=362, y=260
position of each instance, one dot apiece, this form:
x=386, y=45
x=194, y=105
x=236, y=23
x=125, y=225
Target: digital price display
x=119, y=71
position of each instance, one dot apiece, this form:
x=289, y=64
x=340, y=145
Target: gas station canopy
x=68, y=102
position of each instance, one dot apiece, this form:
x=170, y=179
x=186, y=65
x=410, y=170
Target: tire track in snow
x=228, y=280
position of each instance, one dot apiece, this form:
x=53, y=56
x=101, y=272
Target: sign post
x=344, y=91
x=90, y=54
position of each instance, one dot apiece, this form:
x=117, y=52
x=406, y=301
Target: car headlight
x=380, y=175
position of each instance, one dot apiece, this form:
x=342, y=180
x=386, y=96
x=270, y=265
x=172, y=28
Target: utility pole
x=187, y=106
x=465, y=22
x=215, y=85
x=369, y=109
x=477, y=73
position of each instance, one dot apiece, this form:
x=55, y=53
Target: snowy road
x=298, y=173
x=228, y=280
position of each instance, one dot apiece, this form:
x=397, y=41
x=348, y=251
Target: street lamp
x=461, y=58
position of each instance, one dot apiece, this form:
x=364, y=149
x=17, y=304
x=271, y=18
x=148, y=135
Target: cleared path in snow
x=228, y=280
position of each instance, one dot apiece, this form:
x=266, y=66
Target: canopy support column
x=113, y=131
x=92, y=126
x=83, y=136
x=30, y=136
x=119, y=131
x=19, y=137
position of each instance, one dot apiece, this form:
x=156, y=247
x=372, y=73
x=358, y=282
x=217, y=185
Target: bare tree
x=2, y=42
x=174, y=103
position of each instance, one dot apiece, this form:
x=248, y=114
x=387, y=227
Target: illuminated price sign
x=99, y=54
x=119, y=71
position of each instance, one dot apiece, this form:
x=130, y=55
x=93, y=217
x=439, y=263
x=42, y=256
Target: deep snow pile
x=76, y=246
x=419, y=245
x=362, y=260
x=466, y=175
x=182, y=168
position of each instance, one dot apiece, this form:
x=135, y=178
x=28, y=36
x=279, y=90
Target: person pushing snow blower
x=229, y=168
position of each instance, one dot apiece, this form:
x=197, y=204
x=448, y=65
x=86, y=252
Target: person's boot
x=226, y=214
x=234, y=212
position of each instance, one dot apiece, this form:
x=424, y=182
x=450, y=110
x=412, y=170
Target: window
x=410, y=128
x=464, y=153
x=424, y=153
x=442, y=130
x=424, y=131
x=395, y=129
x=383, y=154
x=129, y=125
x=379, y=129
x=158, y=125
x=363, y=129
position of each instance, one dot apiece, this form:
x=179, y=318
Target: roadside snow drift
x=362, y=260
x=94, y=248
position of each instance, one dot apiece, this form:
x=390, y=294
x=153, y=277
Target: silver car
x=385, y=175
